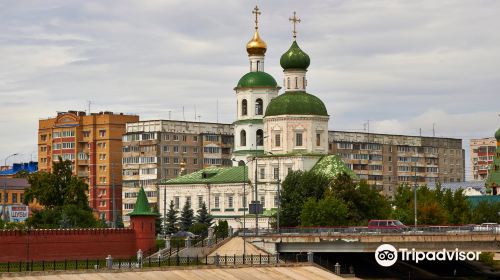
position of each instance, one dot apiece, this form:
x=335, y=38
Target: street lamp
x=278, y=181
x=244, y=198
x=4, y=199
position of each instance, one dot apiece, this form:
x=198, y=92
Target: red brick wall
x=68, y=244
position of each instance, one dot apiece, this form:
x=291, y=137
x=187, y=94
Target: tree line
x=311, y=199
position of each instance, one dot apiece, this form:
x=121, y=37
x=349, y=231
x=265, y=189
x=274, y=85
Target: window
x=102, y=203
x=102, y=216
x=259, y=107
x=43, y=137
x=230, y=201
x=298, y=139
x=217, y=201
x=102, y=156
x=259, y=136
x=102, y=133
x=288, y=82
x=277, y=140
x=176, y=202
x=195, y=161
x=263, y=201
x=296, y=82
x=68, y=133
x=262, y=173
x=128, y=206
x=176, y=137
x=86, y=133
x=195, y=150
x=14, y=198
x=243, y=138
x=276, y=172
x=184, y=149
x=176, y=160
x=166, y=149
x=244, y=201
x=188, y=201
x=211, y=150
x=68, y=145
x=56, y=134
x=102, y=168
x=56, y=146
x=200, y=201
x=176, y=149
x=276, y=201
x=318, y=139
x=244, y=107
x=102, y=180
x=195, y=138
x=184, y=138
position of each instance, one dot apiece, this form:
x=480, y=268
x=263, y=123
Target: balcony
x=83, y=174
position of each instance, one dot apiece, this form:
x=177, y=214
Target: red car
x=387, y=226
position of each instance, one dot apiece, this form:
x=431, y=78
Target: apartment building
x=93, y=144
x=164, y=149
x=389, y=160
x=482, y=153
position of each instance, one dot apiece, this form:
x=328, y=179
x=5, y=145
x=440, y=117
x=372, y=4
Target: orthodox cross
x=257, y=13
x=294, y=21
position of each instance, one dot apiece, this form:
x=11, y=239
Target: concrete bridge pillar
x=310, y=257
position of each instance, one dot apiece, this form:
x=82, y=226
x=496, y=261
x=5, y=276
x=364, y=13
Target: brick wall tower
x=142, y=221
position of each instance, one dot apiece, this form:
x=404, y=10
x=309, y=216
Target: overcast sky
x=402, y=65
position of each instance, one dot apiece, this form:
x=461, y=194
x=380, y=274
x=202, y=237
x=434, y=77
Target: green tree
x=171, y=219
x=328, y=211
x=297, y=187
x=485, y=212
x=63, y=197
x=222, y=229
x=199, y=229
x=187, y=216
x=204, y=217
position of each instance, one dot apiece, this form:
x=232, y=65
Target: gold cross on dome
x=257, y=13
x=294, y=21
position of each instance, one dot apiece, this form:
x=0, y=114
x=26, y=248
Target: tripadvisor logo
x=387, y=255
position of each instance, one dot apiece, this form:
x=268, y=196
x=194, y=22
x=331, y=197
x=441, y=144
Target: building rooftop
x=30, y=167
x=14, y=183
x=332, y=166
x=212, y=175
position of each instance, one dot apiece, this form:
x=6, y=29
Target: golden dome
x=256, y=46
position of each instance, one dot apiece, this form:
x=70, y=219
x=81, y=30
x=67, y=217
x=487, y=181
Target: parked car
x=494, y=227
x=387, y=226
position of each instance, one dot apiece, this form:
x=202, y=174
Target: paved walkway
x=245, y=273
x=235, y=247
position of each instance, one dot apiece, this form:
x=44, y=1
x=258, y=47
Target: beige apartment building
x=482, y=153
x=93, y=144
x=164, y=149
x=389, y=160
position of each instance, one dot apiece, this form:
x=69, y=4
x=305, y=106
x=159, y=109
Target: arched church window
x=244, y=107
x=258, y=64
x=259, y=106
x=259, y=136
x=243, y=138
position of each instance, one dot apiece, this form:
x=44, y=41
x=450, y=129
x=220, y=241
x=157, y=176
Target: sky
x=401, y=65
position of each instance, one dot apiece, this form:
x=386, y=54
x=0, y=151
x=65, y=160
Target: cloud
x=403, y=65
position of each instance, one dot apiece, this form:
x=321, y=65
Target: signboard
x=18, y=213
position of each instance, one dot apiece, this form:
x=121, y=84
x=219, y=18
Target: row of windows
x=154, y=136
x=13, y=197
x=64, y=133
x=137, y=160
x=259, y=107
x=229, y=201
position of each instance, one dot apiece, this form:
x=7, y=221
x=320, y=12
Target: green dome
x=497, y=135
x=296, y=103
x=257, y=79
x=295, y=58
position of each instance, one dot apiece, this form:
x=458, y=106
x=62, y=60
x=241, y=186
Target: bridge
x=362, y=240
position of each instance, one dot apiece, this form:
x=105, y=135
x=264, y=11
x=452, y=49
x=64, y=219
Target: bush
x=222, y=229
x=160, y=244
x=487, y=258
x=199, y=229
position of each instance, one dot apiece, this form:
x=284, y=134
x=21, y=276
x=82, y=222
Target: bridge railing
x=360, y=230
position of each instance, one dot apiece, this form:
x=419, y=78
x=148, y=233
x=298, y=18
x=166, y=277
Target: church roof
x=212, y=175
x=497, y=134
x=332, y=166
x=296, y=103
x=493, y=179
x=257, y=79
x=141, y=207
x=295, y=58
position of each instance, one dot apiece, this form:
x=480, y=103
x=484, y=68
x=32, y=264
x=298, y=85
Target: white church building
x=274, y=135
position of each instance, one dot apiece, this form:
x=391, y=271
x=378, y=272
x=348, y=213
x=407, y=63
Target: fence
x=133, y=263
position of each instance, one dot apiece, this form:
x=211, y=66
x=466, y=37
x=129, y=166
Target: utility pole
x=415, y=193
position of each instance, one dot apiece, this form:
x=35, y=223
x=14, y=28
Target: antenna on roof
x=433, y=129
x=88, y=102
x=217, y=109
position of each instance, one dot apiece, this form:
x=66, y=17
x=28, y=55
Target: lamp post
x=278, y=182
x=4, y=198
x=244, y=200
x=415, y=193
